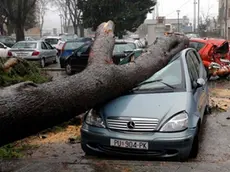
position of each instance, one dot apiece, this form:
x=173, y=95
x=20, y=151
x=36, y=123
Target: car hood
x=155, y=105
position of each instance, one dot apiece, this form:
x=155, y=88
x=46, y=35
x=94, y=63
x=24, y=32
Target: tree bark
x=27, y=108
x=20, y=34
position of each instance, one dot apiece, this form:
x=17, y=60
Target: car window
x=43, y=46
x=132, y=45
x=52, y=41
x=191, y=68
x=170, y=74
x=48, y=45
x=73, y=45
x=196, y=45
x=1, y=46
x=120, y=48
x=2, y=39
x=199, y=46
x=196, y=62
x=29, y=45
x=84, y=49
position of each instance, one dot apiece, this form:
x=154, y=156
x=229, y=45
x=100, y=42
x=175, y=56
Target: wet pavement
x=214, y=155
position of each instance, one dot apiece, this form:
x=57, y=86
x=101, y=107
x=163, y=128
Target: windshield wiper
x=153, y=81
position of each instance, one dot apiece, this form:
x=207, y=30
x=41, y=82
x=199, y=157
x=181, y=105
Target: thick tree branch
x=28, y=108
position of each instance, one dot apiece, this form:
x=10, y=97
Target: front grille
x=141, y=124
x=131, y=151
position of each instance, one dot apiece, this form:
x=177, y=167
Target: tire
x=68, y=69
x=43, y=63
x=208, y=110
x=224, y=76
x=55, y=60
x=195, y=146
x=208, y=75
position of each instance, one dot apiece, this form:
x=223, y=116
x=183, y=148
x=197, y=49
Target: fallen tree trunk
x=27, y=108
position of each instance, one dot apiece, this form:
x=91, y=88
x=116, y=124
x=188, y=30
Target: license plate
x=129, y=144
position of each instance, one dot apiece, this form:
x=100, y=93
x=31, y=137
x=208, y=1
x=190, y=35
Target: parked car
x=3, y=46
x=70, y=46
x=214, y=54
x=7, y=40
x=68, y=49
x=53, y=40
x=76, y=61
x=162, y=117
x=192, y=35
x=29, y=38
x=39, y=51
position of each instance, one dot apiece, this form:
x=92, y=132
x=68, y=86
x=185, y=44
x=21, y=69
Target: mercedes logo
x=131, y=125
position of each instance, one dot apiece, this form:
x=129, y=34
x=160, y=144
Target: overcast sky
x=166, y=8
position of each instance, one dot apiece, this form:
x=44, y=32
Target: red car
x=214, y=54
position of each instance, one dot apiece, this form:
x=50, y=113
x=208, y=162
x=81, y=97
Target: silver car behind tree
x=39, y=51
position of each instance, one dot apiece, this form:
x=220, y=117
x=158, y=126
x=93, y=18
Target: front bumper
x=161, y=145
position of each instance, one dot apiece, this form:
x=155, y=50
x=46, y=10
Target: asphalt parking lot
x=62, y=156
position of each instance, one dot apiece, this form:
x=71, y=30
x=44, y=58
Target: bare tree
x=208, y=26
x=71, y=13
x=17, y=12
x=64, y=11
x=75, y=15
x=27, y=108
x=42, y=9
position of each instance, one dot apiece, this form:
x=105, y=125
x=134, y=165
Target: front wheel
x=208, y=110
x=208, y=74
x=195, y=145
x=55, y=60
x=68, y=69
x=43, y=63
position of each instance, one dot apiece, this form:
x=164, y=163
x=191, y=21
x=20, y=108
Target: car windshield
x=121, y=48
x=29, y=45
x=168, y=77
x=69, y=37
x=196, y=45
x=132, y=45
x=2, y=39
x=52, y=41
x=73, y=45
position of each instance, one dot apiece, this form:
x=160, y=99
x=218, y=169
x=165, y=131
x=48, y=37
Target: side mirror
x=200, y=82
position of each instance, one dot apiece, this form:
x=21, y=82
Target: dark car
x=162, y=117
x=70, y=47
x=7, y=40
x=79, y=58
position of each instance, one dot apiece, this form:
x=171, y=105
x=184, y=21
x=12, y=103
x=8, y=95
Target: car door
x=194, y=74
x=52, y=51
x=45, y=52
x=80, y=57
x=202, y=74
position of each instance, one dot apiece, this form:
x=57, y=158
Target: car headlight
x=94, y=118
x=177, y=123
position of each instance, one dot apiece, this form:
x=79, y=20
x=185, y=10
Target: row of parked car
x=161, y=117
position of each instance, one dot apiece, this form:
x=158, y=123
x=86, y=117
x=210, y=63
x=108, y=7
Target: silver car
x=162, y=117
x=39, y=51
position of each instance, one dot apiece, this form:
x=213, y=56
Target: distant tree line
x=128, y=15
